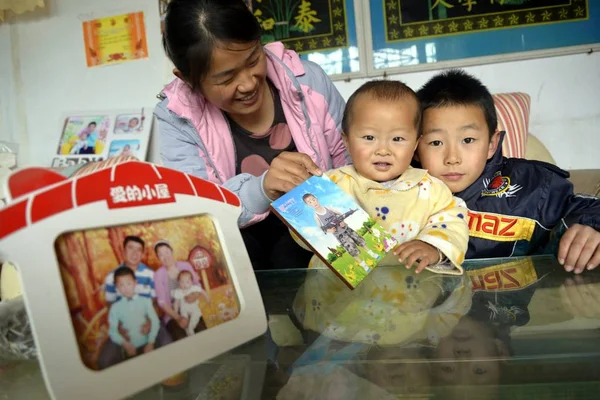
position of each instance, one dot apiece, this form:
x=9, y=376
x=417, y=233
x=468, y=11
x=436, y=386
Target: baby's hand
x=579, y=249
x=417, y=251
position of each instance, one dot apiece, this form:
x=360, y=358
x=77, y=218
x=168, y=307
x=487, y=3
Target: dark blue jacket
x=517, y=206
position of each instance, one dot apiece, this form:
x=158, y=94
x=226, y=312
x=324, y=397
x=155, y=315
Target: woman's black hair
x=162, y=244
x=193, y=27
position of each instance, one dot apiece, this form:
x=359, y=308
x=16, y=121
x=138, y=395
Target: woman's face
x=236, y=80
x=165, y=255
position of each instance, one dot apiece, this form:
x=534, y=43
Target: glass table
x=508, y=328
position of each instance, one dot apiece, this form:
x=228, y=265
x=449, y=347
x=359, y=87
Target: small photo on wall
x=133, y=289
x=129, y=123
x=84, y=135
x=128, y=147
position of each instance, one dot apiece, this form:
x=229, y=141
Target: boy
x=348, y=238
x=514, y=203
x=381, y=131
x=132, y=312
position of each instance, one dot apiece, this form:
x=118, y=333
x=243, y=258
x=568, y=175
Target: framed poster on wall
x=327, y=32
x=433, y=34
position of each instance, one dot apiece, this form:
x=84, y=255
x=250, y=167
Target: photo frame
x=104, y=210
x=406, y=35
x=88, y=136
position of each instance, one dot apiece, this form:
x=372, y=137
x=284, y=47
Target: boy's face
x=382, y=137
x=185, y=281
x=312, y=201
x=126, y=285
x=455, y=145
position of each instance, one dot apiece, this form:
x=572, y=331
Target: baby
x=191, y=311
x=381, y=130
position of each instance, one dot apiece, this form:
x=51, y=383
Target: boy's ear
x=494, y=140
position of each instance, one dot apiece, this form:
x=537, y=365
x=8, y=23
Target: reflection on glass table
x=509, y=328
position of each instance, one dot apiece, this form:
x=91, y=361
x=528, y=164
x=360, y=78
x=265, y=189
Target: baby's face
x=133, y=123
x=469, y=355
x=382, y=137
x=185, y=281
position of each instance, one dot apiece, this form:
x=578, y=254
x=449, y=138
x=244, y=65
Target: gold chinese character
x=443, y=3
x=468, y=3
x=306, y=17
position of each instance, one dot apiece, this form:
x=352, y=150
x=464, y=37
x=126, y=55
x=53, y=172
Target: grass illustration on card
x=335, y=227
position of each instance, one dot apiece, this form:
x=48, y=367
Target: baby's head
x=381, y=127
x=459, y=128
x=185, y=280
x=472, y=355
x=125, y=281
x=311, y=200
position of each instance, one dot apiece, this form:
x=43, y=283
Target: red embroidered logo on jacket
x=499, y=186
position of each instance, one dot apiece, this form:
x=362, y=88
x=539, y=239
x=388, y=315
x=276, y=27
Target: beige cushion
x=535, y=150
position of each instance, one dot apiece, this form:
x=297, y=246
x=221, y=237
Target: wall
x=47, y=76
x=565, y=97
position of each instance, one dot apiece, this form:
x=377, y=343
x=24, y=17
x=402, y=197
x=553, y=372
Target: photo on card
x=129, y=123
x=124, y=147
x=84, y=135
x=335, y=227
x=136, y=288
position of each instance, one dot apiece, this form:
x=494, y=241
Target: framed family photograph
x=144, y=269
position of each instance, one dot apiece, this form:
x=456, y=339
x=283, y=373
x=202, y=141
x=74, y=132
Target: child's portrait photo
x=134, y=289
x=129, y=123
x=84, y=135
x=338, y=229
x=127, y=147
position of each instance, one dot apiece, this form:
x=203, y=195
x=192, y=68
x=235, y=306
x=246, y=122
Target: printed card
x=335, y=227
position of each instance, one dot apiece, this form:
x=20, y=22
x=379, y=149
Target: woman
x=165, y=281
x=257, y=120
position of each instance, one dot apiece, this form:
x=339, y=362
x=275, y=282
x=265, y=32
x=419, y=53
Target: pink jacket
x=195, y=137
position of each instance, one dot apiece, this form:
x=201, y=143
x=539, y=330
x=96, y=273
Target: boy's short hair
x=383, y=90
x=457, y=88
x=307, y=195
x=123, y=271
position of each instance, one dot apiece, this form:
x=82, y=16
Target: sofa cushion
x=513, y=117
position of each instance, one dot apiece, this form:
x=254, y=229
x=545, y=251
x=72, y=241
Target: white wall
x=565, y=101
x=47, y=76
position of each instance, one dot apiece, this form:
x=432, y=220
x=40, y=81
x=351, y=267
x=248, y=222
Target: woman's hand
x=288, y=170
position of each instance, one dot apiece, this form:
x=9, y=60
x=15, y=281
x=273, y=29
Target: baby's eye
x=369, y=137
x=398, y=139
x=435, y=143
x=468, y=140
